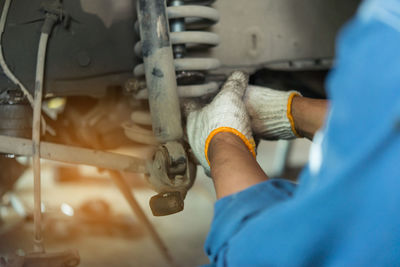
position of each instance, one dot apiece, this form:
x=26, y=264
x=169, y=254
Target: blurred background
x=84, y=210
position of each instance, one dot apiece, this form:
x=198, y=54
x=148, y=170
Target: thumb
x=236, y=83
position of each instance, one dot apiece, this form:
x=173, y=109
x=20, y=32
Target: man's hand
x=308, y=115
x=283, y=115
x=271, y=113
x=226, y=113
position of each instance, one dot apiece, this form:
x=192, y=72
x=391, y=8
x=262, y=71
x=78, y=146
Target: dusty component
x=74, y=155
x=167, y=203
x=49, y=22
x=170, y=172
x=285, y=35
x=16, y=120
x=164, y=52
x=69, y=258
x=159, y=70
x=188, y=22
x=53, y=14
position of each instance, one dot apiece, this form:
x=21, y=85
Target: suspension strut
x=187, y=24
x=169, y=75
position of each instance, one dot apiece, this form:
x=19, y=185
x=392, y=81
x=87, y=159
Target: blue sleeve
x=344, y=211
x=232, y=212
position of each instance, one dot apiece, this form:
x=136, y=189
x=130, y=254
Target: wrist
x=222, y=140
x=270, y=113
x=227, y=138
x=233, y=166
x=308, y=115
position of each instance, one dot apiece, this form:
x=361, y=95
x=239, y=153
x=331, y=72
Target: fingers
x=236, y=83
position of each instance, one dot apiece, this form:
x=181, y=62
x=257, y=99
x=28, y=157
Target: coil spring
x=187, y=24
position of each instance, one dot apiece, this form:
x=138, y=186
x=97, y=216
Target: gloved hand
x=226, y=113
x=271, y=113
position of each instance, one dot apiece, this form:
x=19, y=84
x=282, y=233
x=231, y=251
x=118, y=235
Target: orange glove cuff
x=289, y=113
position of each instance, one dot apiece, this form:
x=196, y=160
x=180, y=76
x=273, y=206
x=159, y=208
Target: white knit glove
x=226, y=113
x=270, y=113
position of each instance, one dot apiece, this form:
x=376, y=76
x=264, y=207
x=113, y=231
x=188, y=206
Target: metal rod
x=124, y=187
x=37, y=109
x=178, y=25
x=74, y=155
x=160, y=71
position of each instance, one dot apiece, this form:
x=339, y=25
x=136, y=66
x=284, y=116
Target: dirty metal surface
x=160, y=71
x=284, y=35
x=74, y=155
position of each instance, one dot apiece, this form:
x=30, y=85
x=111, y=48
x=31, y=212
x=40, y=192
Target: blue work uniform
x=345, y=211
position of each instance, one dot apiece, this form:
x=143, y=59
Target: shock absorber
x=187, y=24
x=187, y=34
x=170, y=74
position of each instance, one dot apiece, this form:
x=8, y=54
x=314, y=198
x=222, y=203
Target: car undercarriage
x=82, y=79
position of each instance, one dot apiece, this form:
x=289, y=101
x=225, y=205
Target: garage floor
x=117, y=239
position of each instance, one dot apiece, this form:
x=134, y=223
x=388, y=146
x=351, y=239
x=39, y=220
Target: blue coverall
x=345, y=211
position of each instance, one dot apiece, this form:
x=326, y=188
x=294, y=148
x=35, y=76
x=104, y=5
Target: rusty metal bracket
x=172, y=175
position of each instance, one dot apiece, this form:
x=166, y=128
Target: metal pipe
x=178, y=25
x=160, y=71
x=124, y=188
x=37, y=108
x=47, y=28
x=74, y=155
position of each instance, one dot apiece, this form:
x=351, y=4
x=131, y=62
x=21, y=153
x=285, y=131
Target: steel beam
x=74, y=155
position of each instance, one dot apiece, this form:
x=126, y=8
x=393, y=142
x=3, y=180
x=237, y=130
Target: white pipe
x=37, y=110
